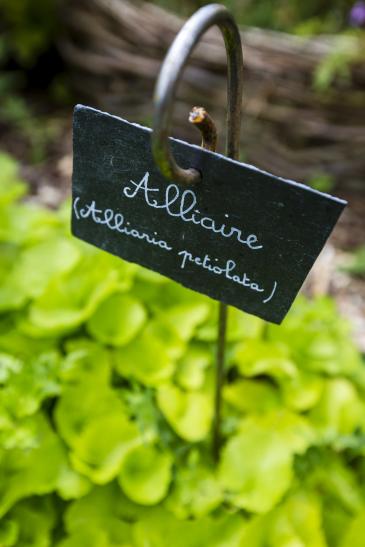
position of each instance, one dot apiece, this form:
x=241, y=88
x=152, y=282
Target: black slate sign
x=241, y=236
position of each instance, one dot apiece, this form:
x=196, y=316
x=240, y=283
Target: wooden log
x=114, y=49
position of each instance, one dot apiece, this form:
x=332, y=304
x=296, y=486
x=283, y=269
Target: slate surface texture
x=241, y=236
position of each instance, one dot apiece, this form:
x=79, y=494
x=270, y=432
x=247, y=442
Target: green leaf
x=161, y=529
x=99, y=451
x=256, y=532
x=356, y=264
x=31, y=384
x=150, y=357
x=9, y=253
x=302, y=391
x=81, y=404
x=23, y=347
x=145, y=474
x=103, y=509
x=256, y=463
x=174, y=294
x=251, y=395
x=90, y=537
x=335, y=521
x=31, y=470
x=35, y=518
x=37, y=265
x=141, y=407
x=340, y=482
x=9, y=532
x=86, y=361
x=321, y=353
x=354, y=536
x=117, y=320
x=92, y=420
x=298, y=522
x=257, y=357
x=9, y=366
x=102, y=506
x=148, y=276
x=327, y=472
x=256, y=470
x=317, y=338
x=72, y=298
x=196, y=492
x=340, y=409
x=189, y=414
x=71, y=484
x=240, y=326
x=11, y=188
x=296, y=431
x=191, y=367
x=28, y=223
x=185, y=318
x=336, y=65
x=148, y=287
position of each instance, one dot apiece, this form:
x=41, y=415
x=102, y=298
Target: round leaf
x=196, y=492
x=145, y=475
x=99, y=451
x=189, y=414
x=150, y=357
x=256, y=468
x=117, y=320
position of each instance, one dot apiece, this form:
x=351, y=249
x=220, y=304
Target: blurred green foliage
x=356, y=265
x=35, y=131
x=308, y=18
x=322, y=182
x=106, y=407
x=305, y=18
x=337, y=64
x=28, y=27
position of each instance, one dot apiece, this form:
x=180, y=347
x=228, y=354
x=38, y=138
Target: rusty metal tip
x=200, y=118
x=197, y=114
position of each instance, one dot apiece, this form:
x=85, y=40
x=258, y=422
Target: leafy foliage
x=29, y=27
x=337, y=65
x=310, y=17
x=106, y=407
x=356, y=264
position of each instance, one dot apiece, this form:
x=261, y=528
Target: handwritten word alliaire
x=185, y=202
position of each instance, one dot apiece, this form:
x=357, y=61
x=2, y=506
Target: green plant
x=356, y=264
x=106, y=374
x=311, y=17
x=322, y=182
x=28, y=28
x=35, y=131
x=337, y=64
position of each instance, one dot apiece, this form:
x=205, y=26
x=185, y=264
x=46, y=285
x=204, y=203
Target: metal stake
x=202, y=121
x=221, y=344
x=169, y=77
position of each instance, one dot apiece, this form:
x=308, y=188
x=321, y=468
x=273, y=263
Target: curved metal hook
x=169, y=77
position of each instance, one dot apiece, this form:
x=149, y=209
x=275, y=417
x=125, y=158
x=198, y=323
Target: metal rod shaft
x=169, y=77
x=220, y=358
x=202, y=121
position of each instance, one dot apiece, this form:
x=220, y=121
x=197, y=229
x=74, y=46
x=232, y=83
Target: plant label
x=242, y=236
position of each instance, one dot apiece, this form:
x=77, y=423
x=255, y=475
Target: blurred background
x=303, y=108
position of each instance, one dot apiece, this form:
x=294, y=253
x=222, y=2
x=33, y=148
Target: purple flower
x=357, y=14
